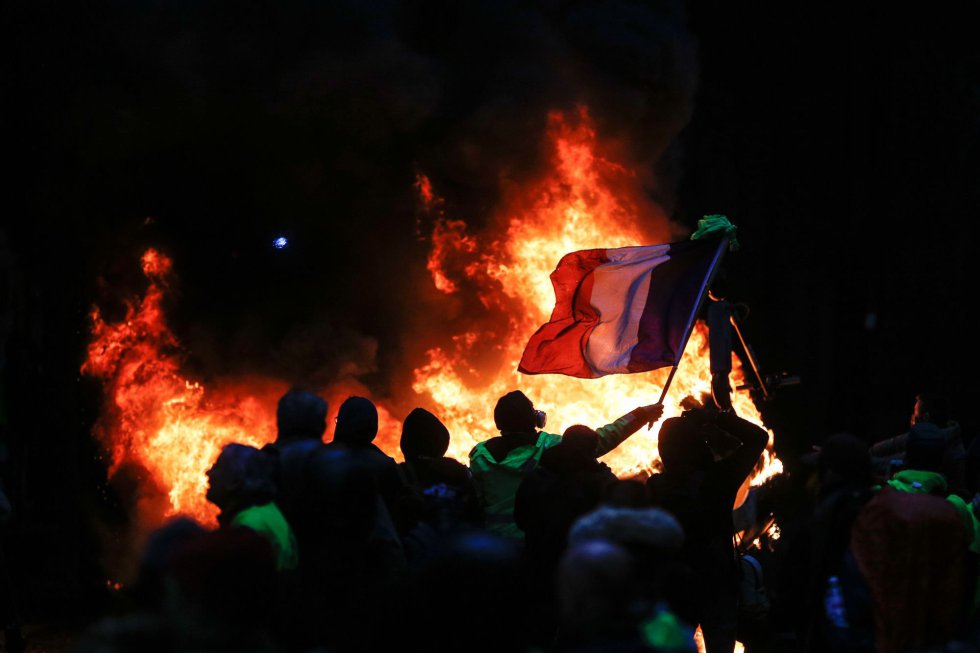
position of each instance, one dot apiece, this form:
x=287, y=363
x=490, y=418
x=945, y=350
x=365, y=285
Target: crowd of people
x=536, y=545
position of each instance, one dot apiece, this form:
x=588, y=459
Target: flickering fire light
x=173, y=426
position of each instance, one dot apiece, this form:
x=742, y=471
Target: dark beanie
x=515, y=413
x=357, y=421
x=424, y=435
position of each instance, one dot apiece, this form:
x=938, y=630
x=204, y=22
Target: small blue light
x=280, y=242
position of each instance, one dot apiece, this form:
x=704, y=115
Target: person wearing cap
x=500, y=463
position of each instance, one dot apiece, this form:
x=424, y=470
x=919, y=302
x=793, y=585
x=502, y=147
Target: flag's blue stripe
x=674, y=288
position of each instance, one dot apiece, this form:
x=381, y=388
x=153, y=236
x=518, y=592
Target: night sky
x=844, y=144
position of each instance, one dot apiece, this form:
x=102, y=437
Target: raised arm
x=752, y=439
x=612, y=435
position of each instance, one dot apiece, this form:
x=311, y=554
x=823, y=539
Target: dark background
x=844, y=144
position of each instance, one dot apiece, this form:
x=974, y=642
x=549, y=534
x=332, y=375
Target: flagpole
x=722, y=245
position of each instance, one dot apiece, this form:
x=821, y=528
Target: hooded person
x=500, y=463
x=443, y=486
x=354, y=433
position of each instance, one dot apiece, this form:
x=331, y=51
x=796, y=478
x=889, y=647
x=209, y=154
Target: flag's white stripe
x=620, y=295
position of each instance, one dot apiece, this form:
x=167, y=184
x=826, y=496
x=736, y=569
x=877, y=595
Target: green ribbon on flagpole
x=716, y=225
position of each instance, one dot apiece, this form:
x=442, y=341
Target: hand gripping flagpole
x=722, y=246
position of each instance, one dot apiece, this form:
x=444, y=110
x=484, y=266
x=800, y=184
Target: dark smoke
x=208, y=129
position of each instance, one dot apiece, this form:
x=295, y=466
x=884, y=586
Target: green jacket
x=497, y=480
x=268, y=521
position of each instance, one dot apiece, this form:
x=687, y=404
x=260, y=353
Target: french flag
x=622, y=310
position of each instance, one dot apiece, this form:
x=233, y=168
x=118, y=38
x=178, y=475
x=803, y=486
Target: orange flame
x=170, y=425
x=579, y=204
x=158, y=418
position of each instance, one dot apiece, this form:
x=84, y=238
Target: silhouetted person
x=929, y=409
x=912, y=549
x=442, y=497
x=706, y=456
x=567, y=483
x=156, y=563
x=351, y=547
x=654, y=538
x=819, y=549
x=469, y=596
x=301, y=420
x=225, y=597
x=241, y=483
x=357, y=426
x=599, y=600
x=499, y=464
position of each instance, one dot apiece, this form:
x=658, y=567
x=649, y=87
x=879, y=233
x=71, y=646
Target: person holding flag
x=617, y=311
x=628, y=309
x=499, y=464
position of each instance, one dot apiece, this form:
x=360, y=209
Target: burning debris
x=160, y=418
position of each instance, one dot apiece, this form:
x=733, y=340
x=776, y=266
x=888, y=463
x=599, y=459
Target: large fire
x=578, y=204
x=172, y=426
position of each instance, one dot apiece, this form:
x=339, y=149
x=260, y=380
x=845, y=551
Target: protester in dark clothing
x=156, y=564
x=301, y=420
x=654, y=538
x=602, y=608
x=929, y=409
x=568, y=483
x=350, y=549
x=912, y=550
x=627, y=493
x=701, y=492
x=225, y=592
x=819, y=550
x=468, y=596
x=443, y=498
x=499, y=464
x=357, y=426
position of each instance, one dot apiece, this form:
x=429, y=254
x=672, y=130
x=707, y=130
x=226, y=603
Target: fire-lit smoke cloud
x=428, y=162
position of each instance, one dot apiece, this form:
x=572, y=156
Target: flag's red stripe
x=548, y=350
